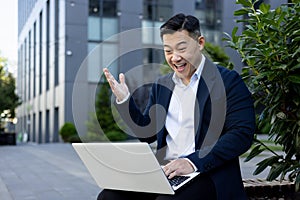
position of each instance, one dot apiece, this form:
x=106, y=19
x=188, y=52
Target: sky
x=9, y=32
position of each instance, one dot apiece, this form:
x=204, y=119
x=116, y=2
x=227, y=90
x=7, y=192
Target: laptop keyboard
x=175, y=181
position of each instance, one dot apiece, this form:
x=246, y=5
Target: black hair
x=181, y=22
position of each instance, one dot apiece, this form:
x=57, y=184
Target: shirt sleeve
x=124, y=100
x=194, y=166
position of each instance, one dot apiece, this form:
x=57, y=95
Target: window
x=47, y=45
x=157, y=10
x=155, y=13
x=209, y=13
x=103, y=22
x=41, y=54
x=56, y=44
x=34, y=59
x=56, y=125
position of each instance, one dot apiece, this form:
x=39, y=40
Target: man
x=194, y=136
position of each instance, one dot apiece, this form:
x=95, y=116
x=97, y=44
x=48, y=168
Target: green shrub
x=104, y=118
x=217, y=55
x=68, y=133
x=269, y=46
x=115, y=135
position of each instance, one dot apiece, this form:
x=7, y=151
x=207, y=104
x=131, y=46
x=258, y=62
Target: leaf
x=276, y=171
x=296, y=66
x=282, y=67
x=264, y=8
x=296, y=32
x=234, y=37
x=296, y=39
x=240, y=12
x=234, y=30
x=250, y=33
x=296, y=52
x=227, y=37
x=250, y=27
x=273, y=119
x=264, y=164
x=278, y=10
x=298, y=178
x=254, y=152
x=245, y=3
x=294, y=78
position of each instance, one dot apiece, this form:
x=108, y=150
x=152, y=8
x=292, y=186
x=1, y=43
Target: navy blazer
x=224, y=125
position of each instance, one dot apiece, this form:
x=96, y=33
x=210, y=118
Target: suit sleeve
x=139, y=124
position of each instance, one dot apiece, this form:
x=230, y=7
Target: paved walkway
x=42, y=172
x=55, y=172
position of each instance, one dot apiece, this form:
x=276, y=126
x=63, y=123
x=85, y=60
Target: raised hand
x=120, y=90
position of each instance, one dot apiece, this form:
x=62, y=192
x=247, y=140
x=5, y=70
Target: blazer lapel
x=205, y=86
x=166, y=89
x=166, y=86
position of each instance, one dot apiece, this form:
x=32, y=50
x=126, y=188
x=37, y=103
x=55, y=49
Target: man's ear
x=201, y=42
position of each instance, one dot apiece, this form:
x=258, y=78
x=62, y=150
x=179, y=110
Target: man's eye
x=182, y=49
x=168, y=51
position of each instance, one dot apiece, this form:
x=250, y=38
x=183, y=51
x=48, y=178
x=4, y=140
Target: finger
x=168, y=171
x=106, y=73
x=105, y=70
x=173, y=174
x=165, y=168
x=111, y=84
x=110, y=78
x=122, y=78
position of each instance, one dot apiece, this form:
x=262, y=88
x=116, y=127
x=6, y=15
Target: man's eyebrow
x=178, y=44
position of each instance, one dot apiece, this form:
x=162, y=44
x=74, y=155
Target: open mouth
x=180, y=67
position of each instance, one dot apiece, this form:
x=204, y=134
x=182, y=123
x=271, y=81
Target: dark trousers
x=201, y=188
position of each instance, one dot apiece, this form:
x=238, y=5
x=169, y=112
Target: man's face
x=183, y=53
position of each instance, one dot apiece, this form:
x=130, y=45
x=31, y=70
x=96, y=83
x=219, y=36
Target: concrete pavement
x=54, y=172
x=42, y=172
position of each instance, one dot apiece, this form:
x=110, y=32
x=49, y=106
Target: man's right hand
x=120, y=90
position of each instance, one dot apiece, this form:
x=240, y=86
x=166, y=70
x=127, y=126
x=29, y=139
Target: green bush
x=269, y=46
x=68, y=133
x=104, y=118
x=115, y=135
x=217, y=55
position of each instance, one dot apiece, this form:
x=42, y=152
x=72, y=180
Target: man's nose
x=176, y=57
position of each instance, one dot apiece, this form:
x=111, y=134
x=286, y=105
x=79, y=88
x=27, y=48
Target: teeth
x=179, y=65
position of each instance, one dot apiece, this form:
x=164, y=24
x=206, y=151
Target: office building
x=64, y=43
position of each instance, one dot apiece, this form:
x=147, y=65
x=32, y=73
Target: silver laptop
x=127, y=166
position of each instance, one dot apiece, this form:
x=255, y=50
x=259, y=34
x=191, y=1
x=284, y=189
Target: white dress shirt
x=180, y=116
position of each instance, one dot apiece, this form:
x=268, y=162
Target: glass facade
x=103, y=22
x=209, y=13
x=55, y=37
x=155, y=12
x=37, y=67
